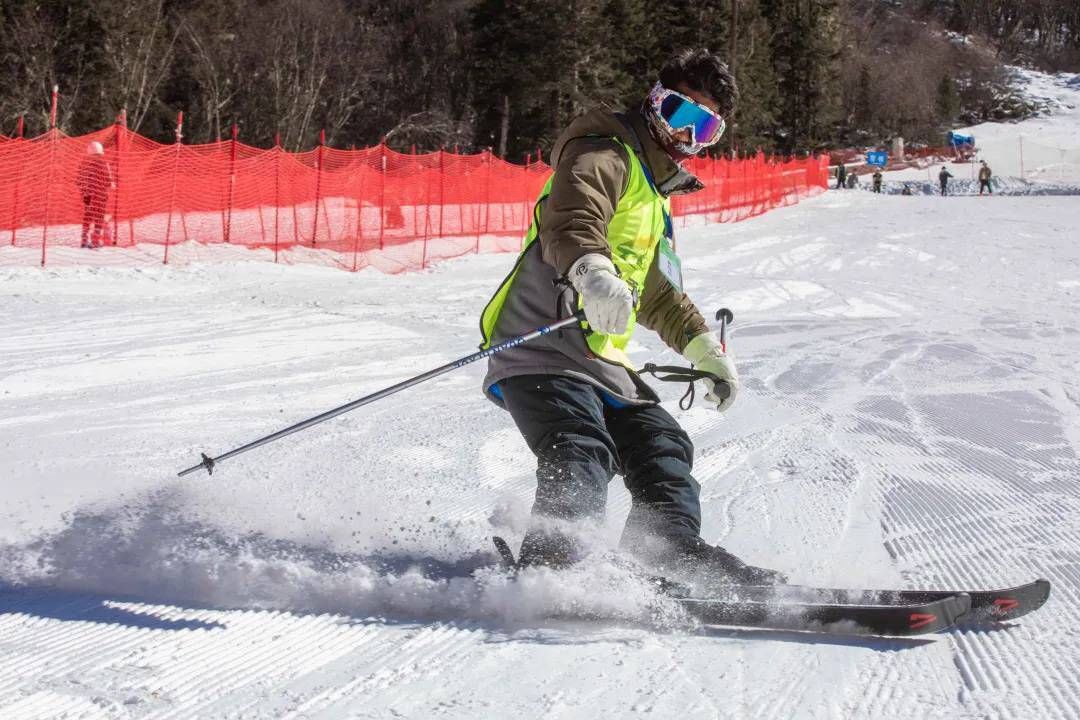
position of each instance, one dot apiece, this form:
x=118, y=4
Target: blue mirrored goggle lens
x=679, y=114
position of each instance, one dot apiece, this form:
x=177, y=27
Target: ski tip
x=1042, y=586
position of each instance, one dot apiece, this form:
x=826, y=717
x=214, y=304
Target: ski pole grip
x=724, y=316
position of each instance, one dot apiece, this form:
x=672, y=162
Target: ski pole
x=724, y=316
x=208, y=463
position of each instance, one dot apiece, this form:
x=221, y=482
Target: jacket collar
x=669, y=177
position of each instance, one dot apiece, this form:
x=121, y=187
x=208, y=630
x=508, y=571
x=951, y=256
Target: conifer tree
x=805, y=52
x=947, y=101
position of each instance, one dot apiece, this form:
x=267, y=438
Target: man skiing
x=601, y=241
x=841, y=176
x=943, y=178
x=984, y=178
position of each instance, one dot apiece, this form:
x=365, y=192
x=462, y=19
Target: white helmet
x=95, y=148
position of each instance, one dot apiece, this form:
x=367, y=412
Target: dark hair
x=702, y=72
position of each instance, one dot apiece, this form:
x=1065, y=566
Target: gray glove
x=607, y=300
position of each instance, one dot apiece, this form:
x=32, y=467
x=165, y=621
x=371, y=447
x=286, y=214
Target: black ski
x=810, y=609
x=836, y=618
x=986, y=605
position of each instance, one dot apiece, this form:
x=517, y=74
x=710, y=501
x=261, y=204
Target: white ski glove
x=606, y=298
x=707, y=354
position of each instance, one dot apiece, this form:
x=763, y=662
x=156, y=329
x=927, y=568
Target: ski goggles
x=679, y=112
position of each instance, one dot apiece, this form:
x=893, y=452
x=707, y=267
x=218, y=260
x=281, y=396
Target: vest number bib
x=670, y=264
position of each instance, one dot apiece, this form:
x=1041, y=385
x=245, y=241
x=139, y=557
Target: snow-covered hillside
x=911, y=417
x=1039, y=155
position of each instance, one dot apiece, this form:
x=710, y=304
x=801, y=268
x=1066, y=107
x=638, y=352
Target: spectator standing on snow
x=94, y=180
x=841, y=176
x=877, y=181
x=984, y=178
x=943, y=178
x=601, y=240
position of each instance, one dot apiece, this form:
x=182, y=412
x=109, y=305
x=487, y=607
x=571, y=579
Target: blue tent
x=957, y=140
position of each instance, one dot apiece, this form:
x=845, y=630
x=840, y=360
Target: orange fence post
x=176, y=170
x=318, y=184
x=52, y=161
x=120, y=119
x=442, y=190
x=525, y=200
x=427, y=205
x=487, y=199
x=232, y=183
x=359, y=236
x=382, y=191
x=277, y=189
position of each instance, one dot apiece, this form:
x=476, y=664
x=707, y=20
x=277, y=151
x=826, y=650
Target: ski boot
x=719, y=564
x=553, y=550
x=699, y=563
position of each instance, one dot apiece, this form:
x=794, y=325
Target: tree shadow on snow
x=84, y=607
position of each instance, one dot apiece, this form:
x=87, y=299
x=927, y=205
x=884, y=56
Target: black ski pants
x=581, y=441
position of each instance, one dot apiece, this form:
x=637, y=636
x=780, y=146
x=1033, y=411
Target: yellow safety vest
x=642, y=218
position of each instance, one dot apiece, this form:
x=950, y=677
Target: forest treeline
x=509, y=74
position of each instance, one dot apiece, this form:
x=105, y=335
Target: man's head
x=702, y=78
x=95, y=148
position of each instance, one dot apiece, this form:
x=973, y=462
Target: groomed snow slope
x=910, y=417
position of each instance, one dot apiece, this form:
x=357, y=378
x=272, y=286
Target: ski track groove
x=378, y=645
x=368, y=638
x=200, y=659
x=921, y=520
x=51, y=705
x=226, y=654
x=246, y=662
x=978, y=655
x=443, y=641
x=300, y=652
x=75, y=650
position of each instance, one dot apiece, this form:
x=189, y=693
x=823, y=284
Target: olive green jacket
x=591, y=172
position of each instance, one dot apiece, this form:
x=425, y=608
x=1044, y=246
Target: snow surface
x=910, y=417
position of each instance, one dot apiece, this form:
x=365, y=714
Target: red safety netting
x=354, y=209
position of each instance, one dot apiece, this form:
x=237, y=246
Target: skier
x=601, y=240
x=841, y=176
x=984, y=178
x=94, y=180
x=877, y=181
x=943, y=178
x=852, y=180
